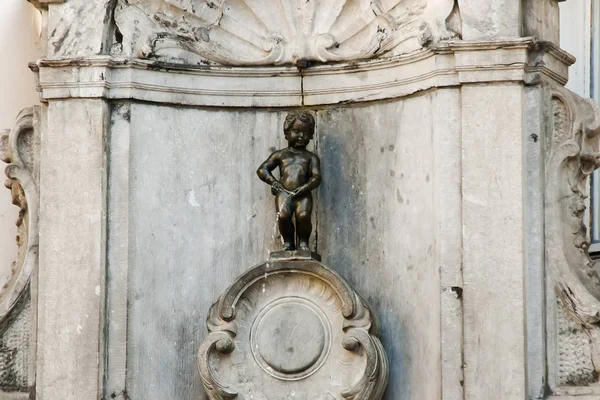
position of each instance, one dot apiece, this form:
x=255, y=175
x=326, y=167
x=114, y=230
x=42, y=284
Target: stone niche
x=197, y=217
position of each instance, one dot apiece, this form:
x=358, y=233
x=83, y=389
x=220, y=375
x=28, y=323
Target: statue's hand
x=276, y=188
x=298, y=192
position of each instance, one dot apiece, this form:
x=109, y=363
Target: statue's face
x=299, y=135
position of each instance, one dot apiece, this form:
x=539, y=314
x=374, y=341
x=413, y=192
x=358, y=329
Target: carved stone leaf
x=246, y=32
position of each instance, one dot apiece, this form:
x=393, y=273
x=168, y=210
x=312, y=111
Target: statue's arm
x=264, y=171
x=315, y=177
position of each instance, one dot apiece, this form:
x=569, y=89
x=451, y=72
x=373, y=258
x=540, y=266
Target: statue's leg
x=303, y=211
x=285, y=211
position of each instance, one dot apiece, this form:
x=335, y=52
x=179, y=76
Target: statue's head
x=299, y=128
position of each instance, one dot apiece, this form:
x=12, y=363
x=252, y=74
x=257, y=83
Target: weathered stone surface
x=44, y=3
x=117, y=257
x=19, y=148
x=572, y=154
x=541, y=20
x=535, y=112
x=164, y=330
x=72, y=251
x=297, y=330
x=79, y=28
x=194, y=220
x=487, y=19
x=448, y=175
x=378, y=227
x=290, y=338
x=248, y=33
x=575, y=354
x=17, y=344
x=493, y=254
x=447, y=65
x=445, y=171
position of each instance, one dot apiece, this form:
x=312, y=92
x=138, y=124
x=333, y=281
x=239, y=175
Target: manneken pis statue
x=299, y=174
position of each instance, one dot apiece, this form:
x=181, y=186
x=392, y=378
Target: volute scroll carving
x=572, y=154
x=295, y=327
x=19, y=149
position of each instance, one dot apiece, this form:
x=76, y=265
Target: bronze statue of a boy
x=300, y=173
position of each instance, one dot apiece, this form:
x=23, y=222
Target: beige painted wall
x=20, y=44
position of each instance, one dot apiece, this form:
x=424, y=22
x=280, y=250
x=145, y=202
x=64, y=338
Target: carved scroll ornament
x=248, y=32
x=292, y=330
x=572, y=155
x=18, y=149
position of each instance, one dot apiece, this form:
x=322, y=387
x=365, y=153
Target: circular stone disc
x=290, y=338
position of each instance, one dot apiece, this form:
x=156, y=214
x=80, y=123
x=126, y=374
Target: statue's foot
x=287, y=246
x=303, y=246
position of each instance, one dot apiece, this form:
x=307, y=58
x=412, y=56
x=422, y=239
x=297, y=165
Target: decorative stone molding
x=447, y=64
x=295, y=329
x=573, y=153
x=246, y=32
x=19, y=149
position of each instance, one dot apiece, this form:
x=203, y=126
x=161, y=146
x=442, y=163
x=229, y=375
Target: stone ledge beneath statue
x=449, y=64
x=294, y=255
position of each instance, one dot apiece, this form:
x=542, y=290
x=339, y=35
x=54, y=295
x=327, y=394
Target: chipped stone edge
x=448, y=64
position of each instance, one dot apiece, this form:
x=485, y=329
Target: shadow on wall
x=344, y=224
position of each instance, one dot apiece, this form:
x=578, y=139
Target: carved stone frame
x=360, y=328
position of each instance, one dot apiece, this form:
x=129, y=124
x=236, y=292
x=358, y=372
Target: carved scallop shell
x=257, y=32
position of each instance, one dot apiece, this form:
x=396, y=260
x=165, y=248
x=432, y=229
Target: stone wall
x=201, y=213
x=444, y=200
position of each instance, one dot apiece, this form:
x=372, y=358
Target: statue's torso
x=294, y=168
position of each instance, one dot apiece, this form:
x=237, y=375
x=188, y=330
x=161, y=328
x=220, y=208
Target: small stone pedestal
x=291, y=328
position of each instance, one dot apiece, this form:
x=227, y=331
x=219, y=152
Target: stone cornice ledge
x=449, y=64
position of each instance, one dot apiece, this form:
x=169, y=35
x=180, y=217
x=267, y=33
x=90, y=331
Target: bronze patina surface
x=299, y=174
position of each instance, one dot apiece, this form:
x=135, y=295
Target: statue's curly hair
x=304, y=117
